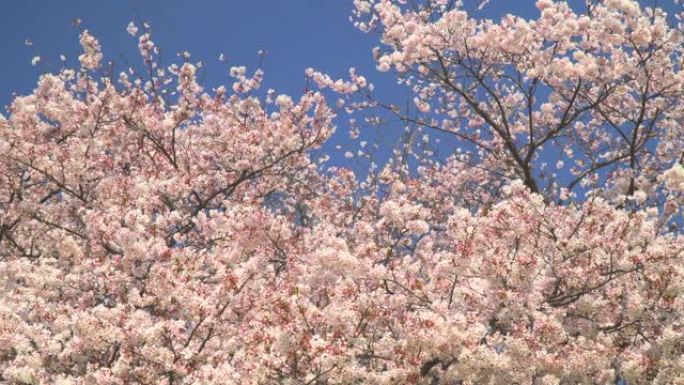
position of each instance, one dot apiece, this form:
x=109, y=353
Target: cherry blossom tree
x=153, y=232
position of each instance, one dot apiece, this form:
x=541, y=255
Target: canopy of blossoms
x=153, y=232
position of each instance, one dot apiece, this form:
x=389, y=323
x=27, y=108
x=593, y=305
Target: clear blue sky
x=296, y=33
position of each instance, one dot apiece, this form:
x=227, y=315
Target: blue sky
x=296, y=33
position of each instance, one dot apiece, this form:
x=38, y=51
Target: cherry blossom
x=156, y=231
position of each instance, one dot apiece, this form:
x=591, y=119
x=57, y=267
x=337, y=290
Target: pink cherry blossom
x=153, y=231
